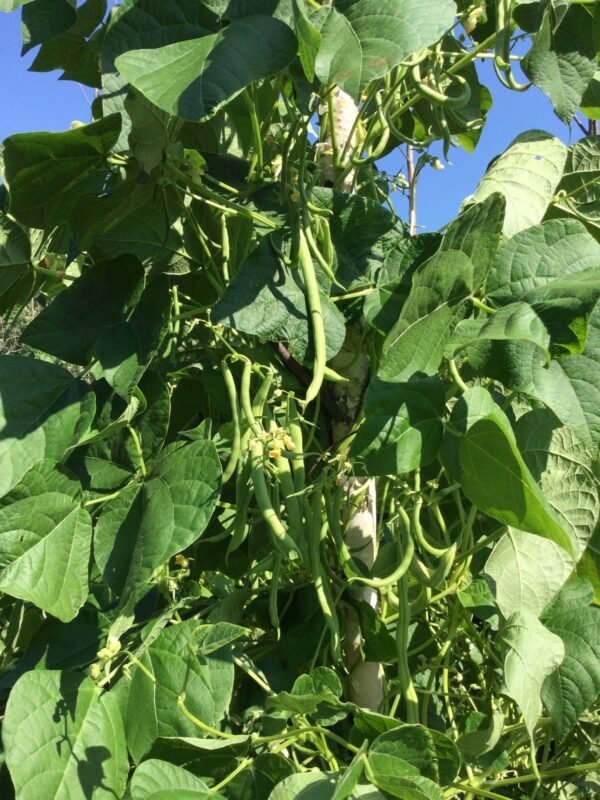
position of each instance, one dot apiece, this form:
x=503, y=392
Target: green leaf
x=45, y=171
x=532, y=653
x=432, y=754
x=347, y=783
x=496, y=479
x=475, y=404
x=154, y=777
x=44, y=411
x=11, y=5
x=259, y=779
x=402, y=429
x=316, y=694
x=575, y=685
x=432, y=310
x=149, y=523
x=306, y=786
x=148, y=138
x=309, y=38
x=580, y=181
x=590, y=102
x=589, y=565
x=42, y=20
x=484, y=737
x=193, y=79
x=45, y=544
x=16, y=273
x=477, y=233
x=364, y=39
x=570, y=386
x=383, y=305
x=538, y=255
x=211, y=759
x=172, y=666
x=76, y=50
x=564, y=469
x=266, y=298
x=527, y=174
x=71, y=326
x=526, y=573
x=562, y=301
x=517, y=321
x=63, y=738
x=562, y=60
x=394, y=777
x=126, y=350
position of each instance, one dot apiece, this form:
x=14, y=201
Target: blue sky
x=32, y=101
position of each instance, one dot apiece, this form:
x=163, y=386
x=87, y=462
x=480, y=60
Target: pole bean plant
x=297, y=501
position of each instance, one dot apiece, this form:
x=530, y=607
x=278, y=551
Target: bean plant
x=296, y=499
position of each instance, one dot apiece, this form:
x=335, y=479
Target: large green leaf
x=562, y=60
x=564, y=469
x=45, y=171
x=16, y=273
x=42, y=20
x=208, y=758
x=477, y=233
x=309, y=38
x=434, y=306
x=575, y=685
x=402, y=428
x=154, y=776
x=589, y=565
x=517, y=321
x=527, y=174
x=526, y=572
x=266, y=298
x=44, y=411
x=192, y=79
x=579, y=189
x=149, y=523
x=45, y=542
x=139, y=24
x=173, y=665
x=562, y=301
x=570, y=386
x=64, y=739
x=539, y=255
x=532, y=654
x=76, y=50
x=428, y=751
x=383, y=305
x=125, y=350
x=590, y=102
x=364, y=39
x=70, y=326
x=319, y=786
x=496, y=479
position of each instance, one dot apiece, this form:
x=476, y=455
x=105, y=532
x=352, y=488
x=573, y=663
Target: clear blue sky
x=38, y=101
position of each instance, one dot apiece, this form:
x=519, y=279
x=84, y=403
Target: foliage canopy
x=233, y=349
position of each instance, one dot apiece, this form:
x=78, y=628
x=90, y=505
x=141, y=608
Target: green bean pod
x=433, y=579
x=235, y=416
x=281, y=538
x=295, y=429
x=243, y=495
x=315, y=531
x=273, y=590
x=404, y=676
x=439, y=98
x=313, y=301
